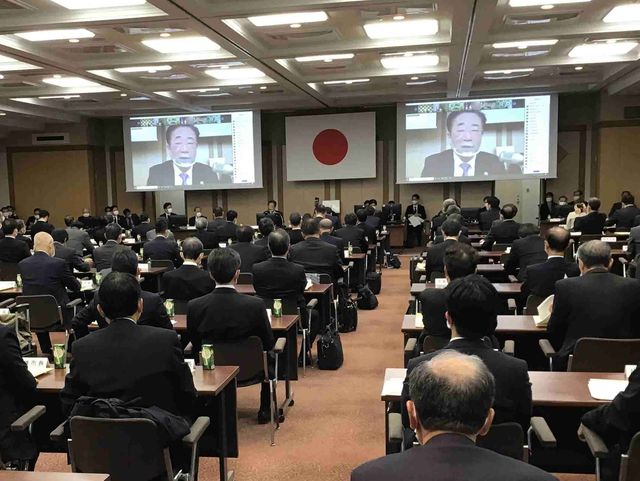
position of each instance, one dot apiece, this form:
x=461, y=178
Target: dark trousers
x=414, y=236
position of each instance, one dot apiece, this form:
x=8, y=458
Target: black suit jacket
x=596, y=304
x=369, y=233
x=209, y=239
x=441, y=165
x=141, y=230
x=186, y=283
x=624, y=218
x=250, y=254
x=278, y=278
x=540, y=279
x=419, y=210
x=295, y=236
x=26, y=240
x=335, y=241
x=17, y=395
x=192, y=220
x=633, y=244
x=225, y=315
x=433, y=305
x=216, y=224
x=487, y=217
x=13, y=250
x=502, y=232
x=547, y=211
x=71, y=258
x=513, y=389
x=525, y=252
x=163, y=174
x=42, y=274
x=592, y=223
x=41, y=226
x=126, y=361
x=562, y=211
x=317, y=256
x=448, y=457
x=162, y=248
x=153, y=314
x=435, y=257
x=614, y=207
x=102, y=255
x=353, y=234
x=227, y=231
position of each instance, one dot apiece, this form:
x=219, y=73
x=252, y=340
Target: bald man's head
x=43, y=242
x=325, y=226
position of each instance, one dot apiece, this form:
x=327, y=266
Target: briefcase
x=330, y=354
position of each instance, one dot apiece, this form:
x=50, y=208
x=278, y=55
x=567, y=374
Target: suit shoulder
x=380, y=468
x=160, y=167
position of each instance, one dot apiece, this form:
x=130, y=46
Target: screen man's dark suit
x=441, y=165
x=163, y=174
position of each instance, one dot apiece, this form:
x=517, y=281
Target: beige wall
x=619, y=163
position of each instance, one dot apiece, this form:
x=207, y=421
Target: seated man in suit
x=209, y=239
x=326, y=227
x=369, y=232
x=526, y=251
x=197, y=214
x=503, y=231
x=548, y=207
x=162, y=248
x=563, y=208
x=351, y=233
x=102, y=255
x=596, y=304
x=32, y=219
x=315, y=255
x=464, y=230
x=451, y=403
x=278, y=278
x=69, y=256
x=633, y=245
x=464, y=159
x=624, y=217
x=218, y=222
x=167, y=210
x=594, y=221
x=226, y=315
x=189, y=281
x=78, y=239
x=274, y=214
x=472, y=309
x=42, y=224
x=616, y=423
x=434, y=262
x=140, y=231
x=22, y=230
x=295, y=231
x=441, y=216
x=618, y=205
x=490, y=214
x=12, y=250
x=250, y=253
x=265, y=227
x=540, y=279
x=153, y=310
x=17, y=395
x=42, y=273
x=228, y=230
x=460, y=260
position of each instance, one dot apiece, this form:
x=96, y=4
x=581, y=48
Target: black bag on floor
x=330, y=354
x=347, y=314
x=393, y=261
x=374, y=281
x=367, y=300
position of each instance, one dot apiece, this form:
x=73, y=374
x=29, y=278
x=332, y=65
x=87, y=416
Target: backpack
x=393, y=261
x=330, y=353
x=347, y=314
x=367, y=300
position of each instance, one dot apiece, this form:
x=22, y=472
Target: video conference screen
x=477, y=140
x=192, y=152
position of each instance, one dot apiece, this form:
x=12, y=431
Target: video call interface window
x=478, y=139
x=192, y=152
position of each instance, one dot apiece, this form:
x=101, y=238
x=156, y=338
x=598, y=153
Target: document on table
x=37, y=366
x=544, y=312
x=415, y=221
x=4, y=285
x=309, y=284
x=606, y=389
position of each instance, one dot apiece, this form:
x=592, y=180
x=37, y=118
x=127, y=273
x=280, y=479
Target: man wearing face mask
x=33, y=218
x=414, y=234
x=117, y=217
x=182, y=169
x=464, y=159
x=42, y=273
x=548, y=207
x=197, y=214
x=563, y=208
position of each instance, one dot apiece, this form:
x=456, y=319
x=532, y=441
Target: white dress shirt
x=457, y=160
x=178, y=180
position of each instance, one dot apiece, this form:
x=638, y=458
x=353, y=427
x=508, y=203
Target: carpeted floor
x=337, y=421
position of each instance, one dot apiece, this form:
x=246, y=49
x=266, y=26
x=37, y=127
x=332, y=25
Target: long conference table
x=507, y=289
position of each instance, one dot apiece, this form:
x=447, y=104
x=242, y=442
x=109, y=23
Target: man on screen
x=465, y=128
x=182, y=169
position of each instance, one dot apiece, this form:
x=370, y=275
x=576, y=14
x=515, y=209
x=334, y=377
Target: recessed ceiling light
x=2, y=114
x=288, y=18
x=539, y=3
x=510, y=71
x=295, y=25
x=525, y=43
x=73, y=40
x=57, y=76
x=264, y=87
x=346, y=82
x=70, y=82
x=88, y=4
x=186, y=91
x=415, y=61
x=123, y=95
x=1, y=76
x=623, y=13
x=422, y=82
x=235, y=73
x=195, y=43
x=415, y=78
x=8, y=64
x=578, y=67
x=402, y=28
x=59, y=97
x=325, y=58
x=149, y=69
x=546, y=7
x=165, y=35
x=601, y=52
x=135, y=99
x=398, y=17
x=61, y=34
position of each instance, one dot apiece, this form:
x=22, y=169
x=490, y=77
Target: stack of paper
x=4, y=285
x=606, y=389
x=393, y=386
x=143, y=267
x=544, y=312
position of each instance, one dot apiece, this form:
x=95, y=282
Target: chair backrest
x=436, y=275
x=180, y=307
x=506, y=439
x=433, y=343
x=8, y=271
x=500, y=247
x=533, y=301
x=245, y=278
x=289, y=304
x=126, y=449
x=630, y=463
x=43, y=311
x=246, y=353
x=161, y=263
x=604, y=355
x=324, y=279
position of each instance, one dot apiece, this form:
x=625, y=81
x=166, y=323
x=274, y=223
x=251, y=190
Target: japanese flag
x=340, y=146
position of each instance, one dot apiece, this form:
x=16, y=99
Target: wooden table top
x=356, y=256
x=506, y=325
x=504, y=288
x=283, y=323
x=43, y=476
x=487, y=268
x=208, y=383
x=153, y=271
x=314, y=289
x=491, y=254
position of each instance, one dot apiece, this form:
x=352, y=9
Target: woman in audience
x=579, y=210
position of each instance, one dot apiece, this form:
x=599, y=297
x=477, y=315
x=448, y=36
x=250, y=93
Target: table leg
x=225, y=473
x=386, y=427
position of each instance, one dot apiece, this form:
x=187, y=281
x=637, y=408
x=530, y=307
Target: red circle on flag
x=330, y=147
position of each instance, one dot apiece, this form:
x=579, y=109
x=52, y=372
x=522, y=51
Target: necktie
x=415, y=209
x=184, y=176
x=465, y=169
